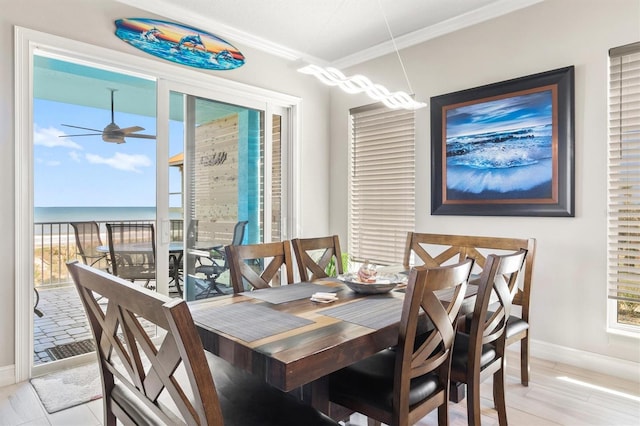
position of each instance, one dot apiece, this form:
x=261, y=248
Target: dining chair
x=479, y=354
x=259, y=265
x=213, y=263
x=401, y=385
x=315, y=255
x=132, y=248
x=437, y=249
x=168, y=378
x=176, y=259
x=88, y=240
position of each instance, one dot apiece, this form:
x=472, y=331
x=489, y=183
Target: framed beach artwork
x=179, y=43
x=505, y=149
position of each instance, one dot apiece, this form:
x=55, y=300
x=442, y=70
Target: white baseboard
x=7, y=375
x=617, y=367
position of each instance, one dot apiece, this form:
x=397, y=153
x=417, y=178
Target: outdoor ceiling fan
x=112, y=133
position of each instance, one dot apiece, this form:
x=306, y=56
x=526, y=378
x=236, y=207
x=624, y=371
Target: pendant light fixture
x=361, y=84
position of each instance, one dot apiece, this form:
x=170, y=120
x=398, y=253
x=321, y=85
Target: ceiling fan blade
x=138, y=135
x=84, y=134
x=131, y=129
x=84, y=128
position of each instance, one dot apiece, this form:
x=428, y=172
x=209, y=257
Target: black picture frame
x=505, y=149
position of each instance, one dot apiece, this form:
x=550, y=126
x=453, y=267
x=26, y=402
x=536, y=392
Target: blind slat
x=382, y=184
x=624, y=175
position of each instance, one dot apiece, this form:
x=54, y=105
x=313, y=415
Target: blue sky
x=509, y=113
x=86, y=171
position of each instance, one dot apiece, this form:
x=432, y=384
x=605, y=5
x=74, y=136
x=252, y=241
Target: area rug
x=71, y=349
x=68, y=388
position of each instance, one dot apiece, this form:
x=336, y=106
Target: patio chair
x=132, y=248
x=88, y=241
x=215, y=263
x=169, y=379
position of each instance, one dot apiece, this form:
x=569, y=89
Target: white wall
x=569, y=283
x=91, y=21
x=569, y=304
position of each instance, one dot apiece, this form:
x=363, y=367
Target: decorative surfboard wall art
x=179, y=43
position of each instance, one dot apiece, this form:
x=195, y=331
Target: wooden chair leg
x=499, y=397
x=443, y=409
x=473, y=403
x=443, y=414
x=524, y=361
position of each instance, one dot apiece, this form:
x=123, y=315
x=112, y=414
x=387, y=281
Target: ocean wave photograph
x=501, y=149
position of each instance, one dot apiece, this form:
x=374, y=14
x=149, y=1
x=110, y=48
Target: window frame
x=27, y=43
x=622, y=164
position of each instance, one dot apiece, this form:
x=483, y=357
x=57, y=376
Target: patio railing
x=55, y=245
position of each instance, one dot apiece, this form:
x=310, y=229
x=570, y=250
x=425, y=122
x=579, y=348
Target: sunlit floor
x=558, y=394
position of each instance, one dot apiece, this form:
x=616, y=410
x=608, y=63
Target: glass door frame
x=168, y=77
x=165, y=87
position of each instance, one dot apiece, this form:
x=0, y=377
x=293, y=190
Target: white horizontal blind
x=382, y=183
x=624, y=176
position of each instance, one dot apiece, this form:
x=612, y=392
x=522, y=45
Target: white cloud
x=120, y=161
x=50, y=138
x=53, y=163
x=75, y=156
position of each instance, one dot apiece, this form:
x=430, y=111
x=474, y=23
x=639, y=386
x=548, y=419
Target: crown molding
x=170, y=10
x=468, y=19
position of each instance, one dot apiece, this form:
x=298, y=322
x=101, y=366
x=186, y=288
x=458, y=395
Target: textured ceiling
x=337, y=32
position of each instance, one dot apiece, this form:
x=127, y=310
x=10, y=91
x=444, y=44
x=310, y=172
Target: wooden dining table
x=294, y=343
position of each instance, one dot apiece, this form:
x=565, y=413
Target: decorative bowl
x=384, y=283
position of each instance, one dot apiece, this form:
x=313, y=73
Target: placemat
x=289, y=293
x=372, y=311
x=248, y=321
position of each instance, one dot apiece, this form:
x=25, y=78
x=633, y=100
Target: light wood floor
x=558, y=394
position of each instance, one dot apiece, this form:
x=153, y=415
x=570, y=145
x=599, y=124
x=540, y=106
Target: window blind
x=382, y=183
x=624, y=177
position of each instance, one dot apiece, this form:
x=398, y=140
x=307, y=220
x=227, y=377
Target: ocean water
x=500, y=165
x=99, y=214
x=59, y=217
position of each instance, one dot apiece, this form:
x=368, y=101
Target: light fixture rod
x=395, y=46
x=361, y=84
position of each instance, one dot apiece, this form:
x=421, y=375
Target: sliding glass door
x=215, y=153
x=230, y=171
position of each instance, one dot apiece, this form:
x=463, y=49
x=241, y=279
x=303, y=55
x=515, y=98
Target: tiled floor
x=558, y=394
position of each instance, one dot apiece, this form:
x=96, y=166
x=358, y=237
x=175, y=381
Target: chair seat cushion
x=136, y=273
x=210, y=270
x=371, y=381
x=515, y=324
x=461, y=353
x=245, y=400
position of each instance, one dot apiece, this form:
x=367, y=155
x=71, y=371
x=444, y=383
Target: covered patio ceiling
x=77, y=84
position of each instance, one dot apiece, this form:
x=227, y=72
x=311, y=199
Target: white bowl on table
x=384, y=283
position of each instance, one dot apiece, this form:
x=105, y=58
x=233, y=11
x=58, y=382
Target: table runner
x=288, y=293
x=248, y=321
x=372, y=311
